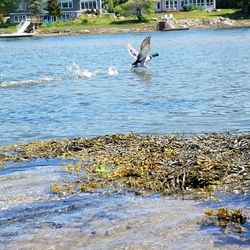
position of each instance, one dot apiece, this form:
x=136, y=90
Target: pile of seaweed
x=228, y=220
x=167, y=164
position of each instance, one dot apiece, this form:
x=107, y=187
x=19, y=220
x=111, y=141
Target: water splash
x=16, y=83
x=74, y=68
x=86, y=73
x=112, y=71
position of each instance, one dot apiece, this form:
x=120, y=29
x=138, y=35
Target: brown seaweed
x=146, y=163
x=231, y=220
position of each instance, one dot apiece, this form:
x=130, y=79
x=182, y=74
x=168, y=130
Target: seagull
x=142, y=57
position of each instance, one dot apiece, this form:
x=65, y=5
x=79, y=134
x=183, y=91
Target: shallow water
x=82, y=85
x=31, y=217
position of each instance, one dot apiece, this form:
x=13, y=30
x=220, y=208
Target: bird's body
x=142, y=57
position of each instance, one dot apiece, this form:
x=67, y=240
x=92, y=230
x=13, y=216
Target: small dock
x=25, y=29
x=169, y=23
x=16, y=35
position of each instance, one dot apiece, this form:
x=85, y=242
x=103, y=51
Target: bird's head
x=155, y=54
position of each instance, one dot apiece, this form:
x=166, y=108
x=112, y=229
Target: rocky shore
x=216, y=23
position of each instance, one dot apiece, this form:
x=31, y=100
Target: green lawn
x=85, y=22
x=231, y=13
x=7, y=28
x=107, y=20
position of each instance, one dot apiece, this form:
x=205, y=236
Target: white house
x=177, y=5
x=69, y=8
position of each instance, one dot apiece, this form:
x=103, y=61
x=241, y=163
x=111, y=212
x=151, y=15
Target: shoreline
x=193, y=24
x=207, y=162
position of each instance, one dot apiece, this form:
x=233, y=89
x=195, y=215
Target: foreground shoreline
x=166, y=164
x=82, y=209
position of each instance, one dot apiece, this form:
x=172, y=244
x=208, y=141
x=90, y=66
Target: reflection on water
x=144, y=74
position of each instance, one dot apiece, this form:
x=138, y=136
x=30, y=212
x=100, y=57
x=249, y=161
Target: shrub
x=191, y=7
x=85, y=21
x=1, y=19
x=136, y=8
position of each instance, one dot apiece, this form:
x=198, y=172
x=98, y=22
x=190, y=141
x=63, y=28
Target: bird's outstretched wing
x=144, y=49
x=131, y=50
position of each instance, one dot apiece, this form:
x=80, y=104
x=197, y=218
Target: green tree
x=1, y=19
x=54, y=9
x=8, y=6
x=137, y=8
x=113, y=3
x=37, y=6
x=110, y=5
x=243, y=4
x=245, y=7
x=228, y=4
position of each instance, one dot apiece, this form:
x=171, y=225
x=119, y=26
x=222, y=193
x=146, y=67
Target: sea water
x=56, y=87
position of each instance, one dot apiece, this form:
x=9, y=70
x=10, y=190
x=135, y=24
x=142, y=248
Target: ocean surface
x=56, y=87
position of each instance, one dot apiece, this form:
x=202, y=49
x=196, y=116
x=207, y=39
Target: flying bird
x=142, y=57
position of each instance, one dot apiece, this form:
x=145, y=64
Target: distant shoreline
x=194, y=24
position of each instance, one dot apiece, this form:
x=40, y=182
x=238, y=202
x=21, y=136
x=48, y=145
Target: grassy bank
x=7, y=28
x=93, y=23
x=230, y=13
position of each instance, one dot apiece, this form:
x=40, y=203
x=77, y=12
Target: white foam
x=112, y=71
x=74, y=68
x=44, y=79
x=86, y=73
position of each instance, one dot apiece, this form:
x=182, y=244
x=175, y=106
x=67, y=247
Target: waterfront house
x=21, y=13
x=70, y=9
x=74, y=8
x=178, y=5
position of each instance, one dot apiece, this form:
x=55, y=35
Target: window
x=158, y=5
x=23, y=17
x=167, y=5
x=171, y=4
x=65, y=4
x=210, y=2
x=16, y=19
x=89, y=5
